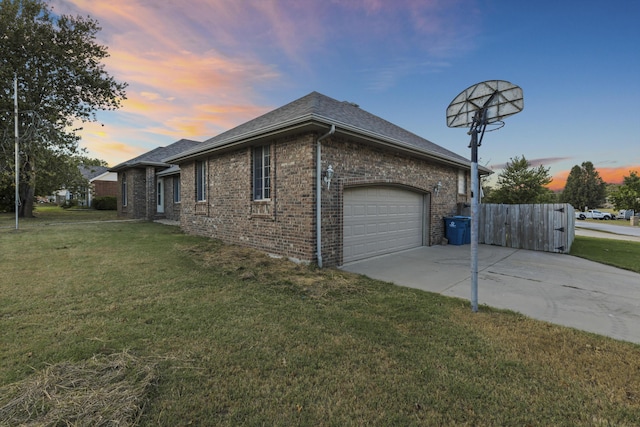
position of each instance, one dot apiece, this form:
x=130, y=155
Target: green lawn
x=230, y=336
x=45, y=214
x=618, y=253
x=618, y=222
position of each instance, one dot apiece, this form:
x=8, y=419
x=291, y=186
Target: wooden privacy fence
x=548, y=227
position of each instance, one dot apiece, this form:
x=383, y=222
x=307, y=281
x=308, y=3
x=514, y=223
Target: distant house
x=148, y=187
x=101, y=183
x=319, y=180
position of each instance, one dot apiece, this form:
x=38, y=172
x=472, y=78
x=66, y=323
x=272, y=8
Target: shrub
x=105, y=203
x=70, y=203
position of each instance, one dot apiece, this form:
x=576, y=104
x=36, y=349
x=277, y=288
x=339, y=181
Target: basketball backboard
x=498, y=99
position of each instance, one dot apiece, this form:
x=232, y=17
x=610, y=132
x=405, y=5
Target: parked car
x=593, y=214
x=625, y=214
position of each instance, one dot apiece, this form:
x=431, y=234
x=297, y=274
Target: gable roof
x=173, y=170
x=157, y=156
x=91, y=172
x=318, y=112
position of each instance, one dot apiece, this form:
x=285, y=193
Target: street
x=607, y=230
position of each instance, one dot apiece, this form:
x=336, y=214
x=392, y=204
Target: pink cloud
x=193, y=68
x=106, y=143
x=610, y=175
x=534, y=163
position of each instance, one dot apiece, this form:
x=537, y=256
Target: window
x=176, y=189
x=124, y=189
x=201, y=181
x=462, y=182
x=261, y=173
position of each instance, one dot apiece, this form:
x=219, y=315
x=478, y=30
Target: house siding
x=282, y=225
x=142, y=195
x=136, y=192
x=285, y=224
x=171, y=209
x=149, y=201
x=104, y=188
x=142, y=174
x=357, y=164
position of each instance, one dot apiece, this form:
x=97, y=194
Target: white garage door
x=381, y=220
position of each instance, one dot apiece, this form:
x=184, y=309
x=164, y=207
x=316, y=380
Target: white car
x=594, y=214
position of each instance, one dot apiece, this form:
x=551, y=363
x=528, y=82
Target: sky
x=200, y=67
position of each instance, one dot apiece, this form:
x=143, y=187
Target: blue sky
x=198, y=68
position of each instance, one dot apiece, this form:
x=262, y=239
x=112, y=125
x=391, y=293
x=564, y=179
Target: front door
x=160, y=196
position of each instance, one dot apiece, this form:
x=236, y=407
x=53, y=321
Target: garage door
x=381, y=220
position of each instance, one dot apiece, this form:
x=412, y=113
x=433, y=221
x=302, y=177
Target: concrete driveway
x=556, y=288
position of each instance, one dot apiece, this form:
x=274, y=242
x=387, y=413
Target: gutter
x=126, y=165
x=305, y=120
x=319, y=193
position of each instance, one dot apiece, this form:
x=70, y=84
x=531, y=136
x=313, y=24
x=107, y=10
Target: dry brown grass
x=102, y=391
x=249, y=264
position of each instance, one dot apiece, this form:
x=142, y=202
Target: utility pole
x=17, y=146
x=474, y=212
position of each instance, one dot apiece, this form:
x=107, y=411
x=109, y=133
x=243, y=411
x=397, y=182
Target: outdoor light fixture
x=436, y=189
x=327, y=176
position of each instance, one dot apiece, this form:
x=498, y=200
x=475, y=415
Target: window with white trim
x=462, y=182
x=176, y=189
x=262, y=173
x=124, y=189
x=201, y=181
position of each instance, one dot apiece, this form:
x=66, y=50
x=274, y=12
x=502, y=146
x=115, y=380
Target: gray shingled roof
x=173, y=170
x=90, y=172
x=321, y=109
x=157, y=156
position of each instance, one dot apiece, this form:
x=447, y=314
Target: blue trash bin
x=467, y=223
x=455, y=230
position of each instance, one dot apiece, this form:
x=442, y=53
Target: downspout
x=319, y=193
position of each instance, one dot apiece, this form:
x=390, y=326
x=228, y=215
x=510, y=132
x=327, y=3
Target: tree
x=521, y=184
x=64, y=173
x=627, y=196
x=584, y=188
x=61, y=80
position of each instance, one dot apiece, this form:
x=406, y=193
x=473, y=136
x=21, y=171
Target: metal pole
x=474, y=219
x=17, y=143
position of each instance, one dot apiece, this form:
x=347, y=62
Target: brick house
x=259, y=184
x=101, y=183
x=148, y=187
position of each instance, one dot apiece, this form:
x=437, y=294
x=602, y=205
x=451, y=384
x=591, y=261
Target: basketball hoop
x=493, y=99
x=481, y=105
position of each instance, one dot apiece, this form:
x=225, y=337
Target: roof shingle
x=157, y=156
x=321, y=108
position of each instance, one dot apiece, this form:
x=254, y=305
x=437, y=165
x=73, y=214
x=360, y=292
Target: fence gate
x=544, y=227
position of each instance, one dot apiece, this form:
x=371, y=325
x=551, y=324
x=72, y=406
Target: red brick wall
x=105, y=188
x=285, y=225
